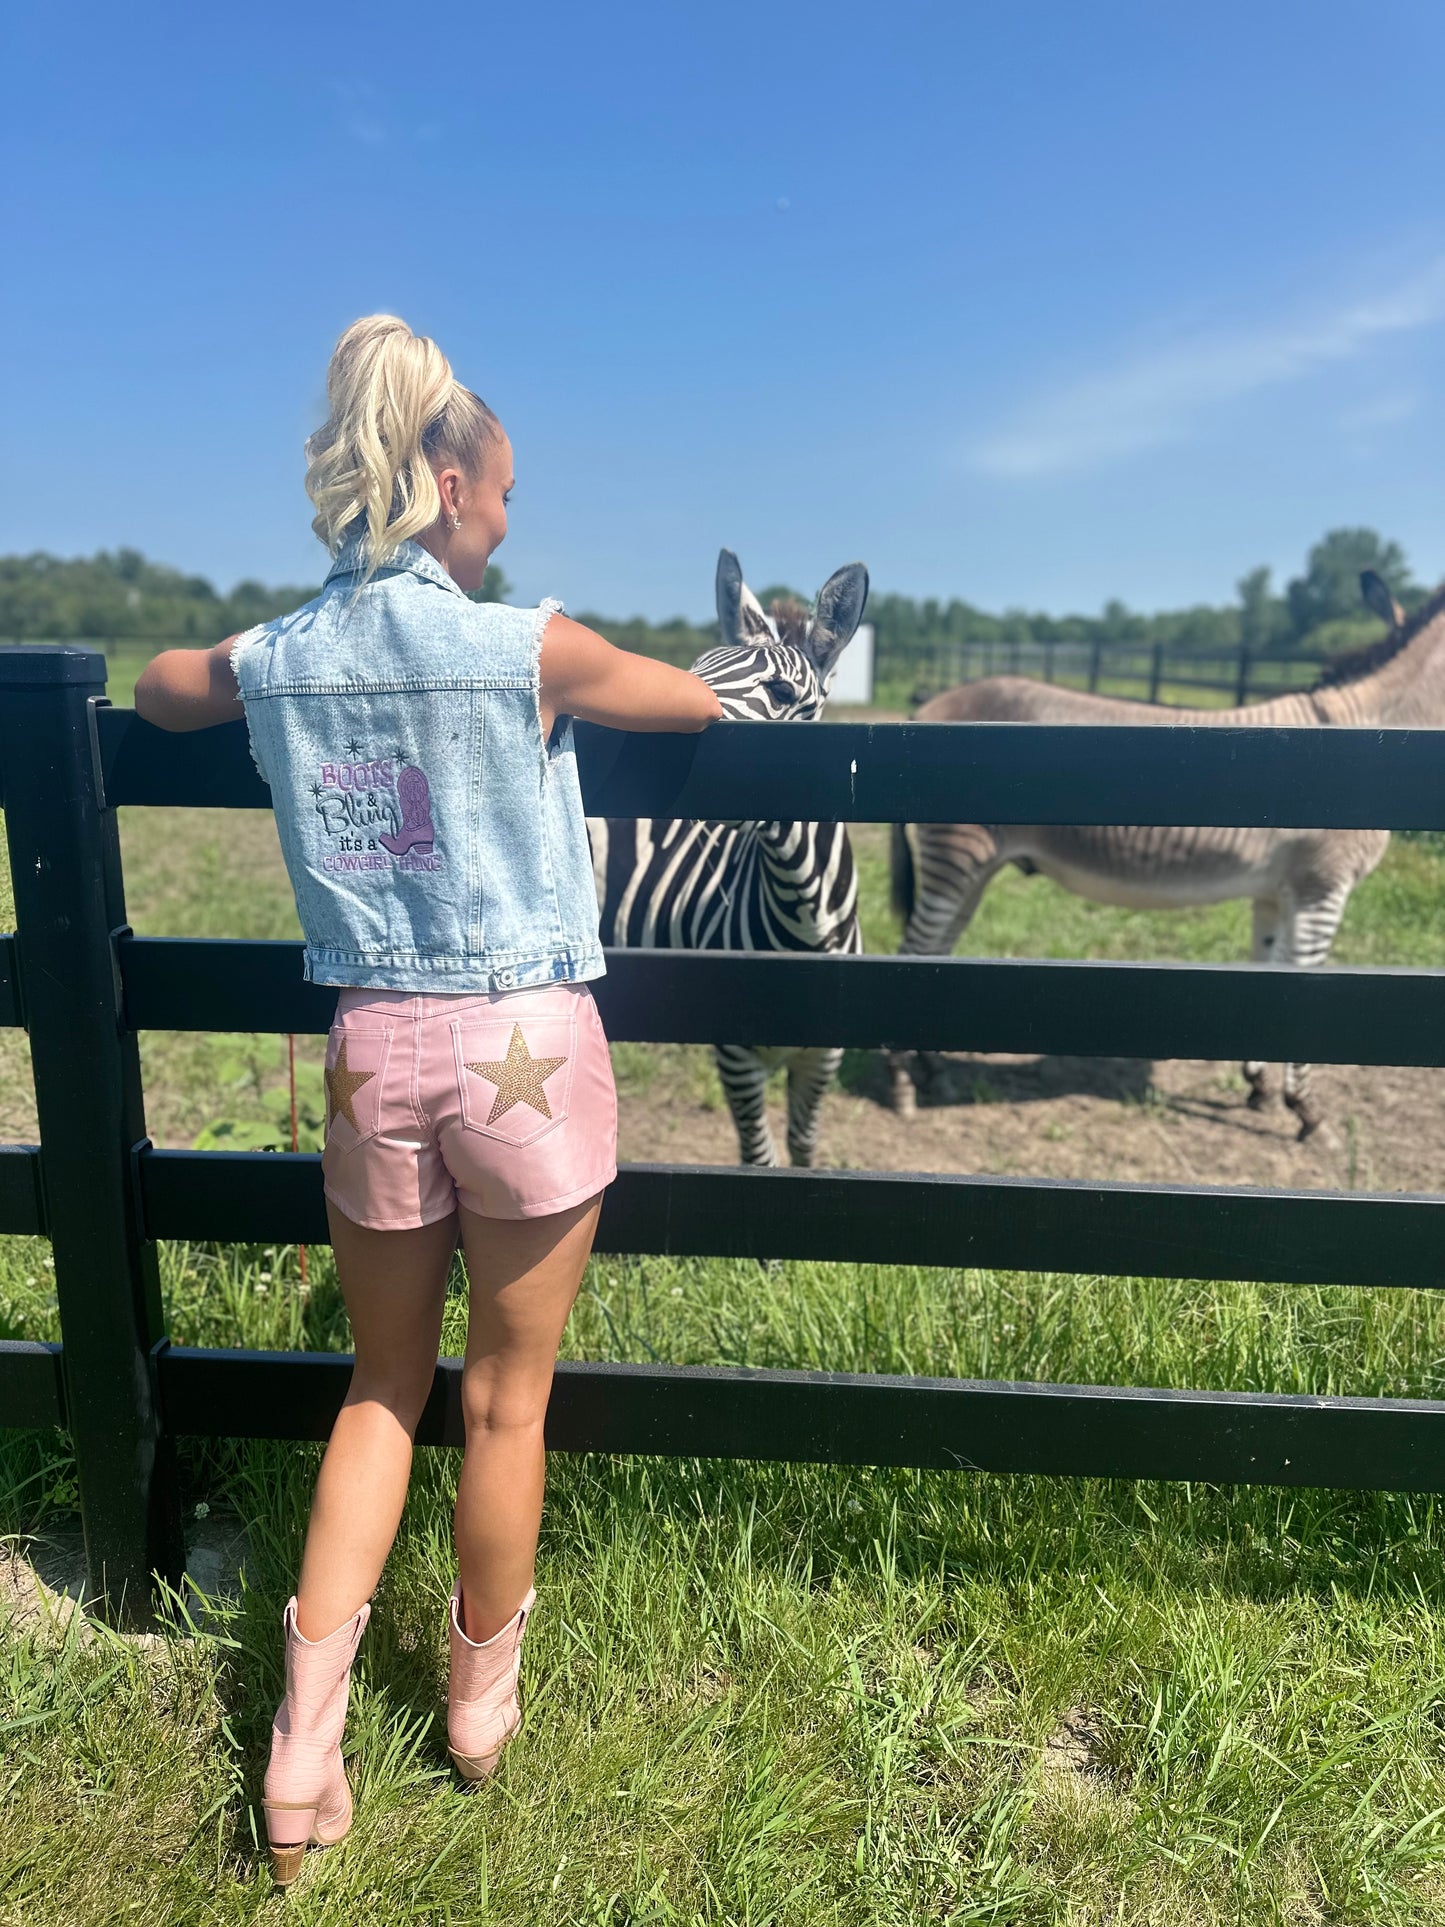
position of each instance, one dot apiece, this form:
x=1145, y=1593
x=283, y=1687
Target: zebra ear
x=739, y=613
x=839, y=609
x=1377, y=597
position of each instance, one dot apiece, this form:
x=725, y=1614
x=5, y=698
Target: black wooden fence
x=83, y=986
x=1143, y=671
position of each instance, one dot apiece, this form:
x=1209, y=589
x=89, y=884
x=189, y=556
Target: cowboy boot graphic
x=417, y=831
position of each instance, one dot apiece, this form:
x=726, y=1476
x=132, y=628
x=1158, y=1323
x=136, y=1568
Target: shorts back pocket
x=356, y=1057
x=514, y=1073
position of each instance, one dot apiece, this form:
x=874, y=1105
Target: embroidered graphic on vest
x=378, y=818
x=417, y=831
x=519, y=1077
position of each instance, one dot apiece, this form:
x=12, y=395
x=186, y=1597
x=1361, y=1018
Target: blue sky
x=1035, y=303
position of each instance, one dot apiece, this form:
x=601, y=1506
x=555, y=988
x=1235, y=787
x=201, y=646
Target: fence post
x=1156, y=671
x=69, y=907
x=1095, y=654
x=1048, y=662
x=1241, y=682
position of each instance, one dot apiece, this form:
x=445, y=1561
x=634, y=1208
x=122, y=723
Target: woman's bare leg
x=524, y=1276
x=394, y=1285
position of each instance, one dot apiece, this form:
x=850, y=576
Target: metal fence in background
x=84, y=985
x=1155, y=672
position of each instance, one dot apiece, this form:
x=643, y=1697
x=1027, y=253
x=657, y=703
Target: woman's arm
x=584, y=675
x=189, y=688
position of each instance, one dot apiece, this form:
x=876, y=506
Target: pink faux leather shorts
x=502, y=1102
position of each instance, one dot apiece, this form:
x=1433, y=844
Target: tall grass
x=767, y=1693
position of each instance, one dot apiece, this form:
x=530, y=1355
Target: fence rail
x=1340, y=1016
x=1386, y=779
x=85, y=986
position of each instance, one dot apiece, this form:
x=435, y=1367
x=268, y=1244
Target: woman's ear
x=449, y=487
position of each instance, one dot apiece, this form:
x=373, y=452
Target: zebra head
x=777, y=665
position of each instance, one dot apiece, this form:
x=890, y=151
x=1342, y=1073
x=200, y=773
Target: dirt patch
x=43, y=1579
x=1075, y=1746
x=1183, y=1121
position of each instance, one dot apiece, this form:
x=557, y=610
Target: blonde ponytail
x=395, y=407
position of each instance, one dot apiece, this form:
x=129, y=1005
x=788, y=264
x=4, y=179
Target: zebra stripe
x=791, y=887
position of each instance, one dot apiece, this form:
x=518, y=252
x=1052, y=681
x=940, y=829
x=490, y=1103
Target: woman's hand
x=584, y=675
x=189, y=688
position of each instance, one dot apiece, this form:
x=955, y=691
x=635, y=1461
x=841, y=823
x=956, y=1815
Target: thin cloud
x=1160, y=397
x=360, y=118
x=1385, y=411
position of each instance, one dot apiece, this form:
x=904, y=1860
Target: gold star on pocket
x=342, y=1084
x=519, y=1077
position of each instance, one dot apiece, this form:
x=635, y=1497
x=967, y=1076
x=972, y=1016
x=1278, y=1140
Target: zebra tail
x=900, y=866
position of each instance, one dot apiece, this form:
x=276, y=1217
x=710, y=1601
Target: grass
x=764, y=1693
x=761, y=1693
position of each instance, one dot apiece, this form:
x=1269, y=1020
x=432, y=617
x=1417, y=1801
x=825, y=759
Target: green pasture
x=756, y=1693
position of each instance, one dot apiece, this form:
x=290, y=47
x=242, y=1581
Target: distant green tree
x=1329, y=589
x=495, y=586
x=1263, y=618
x=1120, y=624
x=1202, y=628
x=43, y=598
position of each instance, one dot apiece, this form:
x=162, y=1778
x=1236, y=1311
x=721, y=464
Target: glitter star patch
x=342, y=1084
x=519, y=1077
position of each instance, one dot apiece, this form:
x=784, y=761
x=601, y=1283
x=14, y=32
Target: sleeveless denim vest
x=434, y=841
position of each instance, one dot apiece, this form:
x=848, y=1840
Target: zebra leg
x=810, y=1073
x=952, y=868
x=1264, y=949
x=1309, y=931
x=744, y=1080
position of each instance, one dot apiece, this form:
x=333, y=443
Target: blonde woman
x=418, y=748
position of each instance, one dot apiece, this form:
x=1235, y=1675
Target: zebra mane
x=792, y=620
x=1355, y=664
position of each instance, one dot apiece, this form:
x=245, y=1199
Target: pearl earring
x=456, y=521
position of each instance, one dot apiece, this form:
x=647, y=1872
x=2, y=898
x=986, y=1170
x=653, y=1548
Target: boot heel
x=286, y=1856
x=286, y=1864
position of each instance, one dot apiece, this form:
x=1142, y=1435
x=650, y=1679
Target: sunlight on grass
x=790, y=1693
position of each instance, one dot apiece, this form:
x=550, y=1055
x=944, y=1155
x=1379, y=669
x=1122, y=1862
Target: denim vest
x=434, y=841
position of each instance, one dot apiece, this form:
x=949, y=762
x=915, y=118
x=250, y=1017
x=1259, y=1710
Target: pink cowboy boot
x=482, y=1707
x=306, y=1796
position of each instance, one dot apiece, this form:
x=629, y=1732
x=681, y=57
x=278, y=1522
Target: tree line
x=118, y=593
x=1317, y=611
x=121, y=594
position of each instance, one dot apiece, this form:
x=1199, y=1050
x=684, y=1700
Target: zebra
x=750, y=886
x=1299, y=881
